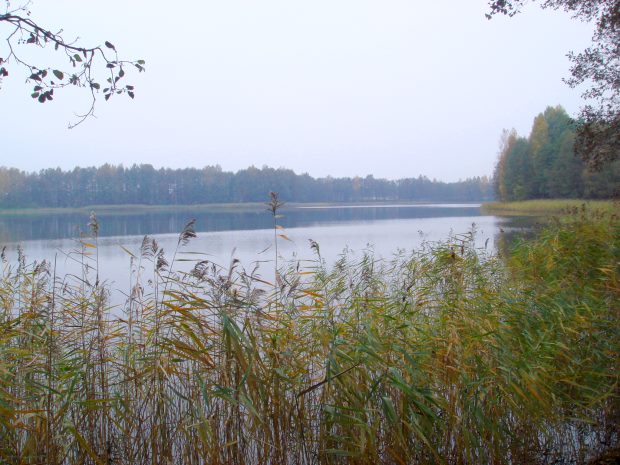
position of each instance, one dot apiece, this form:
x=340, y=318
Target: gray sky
x=393, y=88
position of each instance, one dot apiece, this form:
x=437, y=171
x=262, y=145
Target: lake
x=246, y=233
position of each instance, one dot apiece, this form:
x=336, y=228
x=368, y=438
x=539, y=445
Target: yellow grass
x=550, y=206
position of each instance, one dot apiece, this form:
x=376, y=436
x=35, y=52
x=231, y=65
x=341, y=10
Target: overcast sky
x=393, y=88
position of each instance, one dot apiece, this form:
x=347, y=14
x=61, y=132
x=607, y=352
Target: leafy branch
x=598, y=66
x=81, y=67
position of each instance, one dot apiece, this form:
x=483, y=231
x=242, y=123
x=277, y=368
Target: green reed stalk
x=447, y=354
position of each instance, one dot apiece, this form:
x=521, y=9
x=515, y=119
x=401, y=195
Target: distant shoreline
x=243, y=206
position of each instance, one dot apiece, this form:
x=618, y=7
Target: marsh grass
x=550, y=206
x=444, y=355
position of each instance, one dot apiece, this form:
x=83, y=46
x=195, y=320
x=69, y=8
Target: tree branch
x=83, y=61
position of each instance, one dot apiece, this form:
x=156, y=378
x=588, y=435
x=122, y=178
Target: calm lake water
x=246, y=233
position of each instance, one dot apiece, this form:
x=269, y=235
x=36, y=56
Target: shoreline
x=241, y=206
x=547, y=206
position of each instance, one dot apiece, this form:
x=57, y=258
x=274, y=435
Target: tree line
x=595, y=70
x=143, y=184
x=544, y=164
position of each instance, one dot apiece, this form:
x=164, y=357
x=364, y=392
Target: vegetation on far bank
x=102, y=210
x=448, y=355
x=550, y=206
x=544, y=165
x=131, y=208
x=143, y=184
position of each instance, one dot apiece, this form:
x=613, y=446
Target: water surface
x=247, y=234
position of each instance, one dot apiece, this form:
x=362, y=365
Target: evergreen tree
x=544, y=165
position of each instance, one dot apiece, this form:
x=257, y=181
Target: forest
x=145, y=185
x=544, y=165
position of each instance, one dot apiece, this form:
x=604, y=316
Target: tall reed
x=448, y=354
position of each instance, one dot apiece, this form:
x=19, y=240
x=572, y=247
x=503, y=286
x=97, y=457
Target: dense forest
x=143, y=184
x=544, y=164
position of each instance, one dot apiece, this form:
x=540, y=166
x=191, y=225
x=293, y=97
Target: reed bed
x=446, y=355
x=551, y=206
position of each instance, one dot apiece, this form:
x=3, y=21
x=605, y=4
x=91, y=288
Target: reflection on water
x=248, y=235
x=136, y=222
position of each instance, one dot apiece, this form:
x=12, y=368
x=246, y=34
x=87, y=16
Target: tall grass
x=445, y=355
x=550, y=206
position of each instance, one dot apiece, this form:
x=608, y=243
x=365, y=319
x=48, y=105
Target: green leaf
x=95, y=85
x=140, y=62
x=34, y=94
x=109, y=45
x=76, y=57
x=84, y=444
x=389, y=410
x=59, y=74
